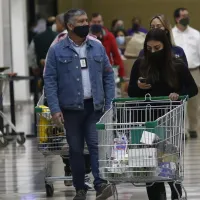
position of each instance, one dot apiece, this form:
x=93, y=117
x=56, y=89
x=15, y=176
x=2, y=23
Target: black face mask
x=135, y=27
x=185, y=21
x=157, y=57
x=81, y=31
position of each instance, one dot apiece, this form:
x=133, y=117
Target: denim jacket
x=63, y=79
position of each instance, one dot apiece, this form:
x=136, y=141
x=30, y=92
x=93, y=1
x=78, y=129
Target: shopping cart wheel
x=21, y=139
x=3, y=141
x=49, y=190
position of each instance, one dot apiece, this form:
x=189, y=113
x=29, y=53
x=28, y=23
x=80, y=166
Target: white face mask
x=120, y=40
x=54, y=28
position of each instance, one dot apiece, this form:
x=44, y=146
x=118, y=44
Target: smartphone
x=143, y=80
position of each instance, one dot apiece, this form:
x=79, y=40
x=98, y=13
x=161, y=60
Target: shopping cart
x=51, y=141
x=141, y=141
x=19, y=136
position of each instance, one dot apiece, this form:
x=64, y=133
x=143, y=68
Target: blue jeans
x=81, y=126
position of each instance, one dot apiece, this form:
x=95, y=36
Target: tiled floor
x=22, y=171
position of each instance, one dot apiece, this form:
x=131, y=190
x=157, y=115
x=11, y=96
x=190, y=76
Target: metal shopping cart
x=141, y=141
x=51, y=142
x=20, y=138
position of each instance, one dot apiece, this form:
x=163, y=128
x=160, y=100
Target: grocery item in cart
x=142, y=157
x=167, y=170
x=44, y=124
x=138, y=135
x=119, y=148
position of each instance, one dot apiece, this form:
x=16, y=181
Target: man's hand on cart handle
x=58, y=118
x=174, y=96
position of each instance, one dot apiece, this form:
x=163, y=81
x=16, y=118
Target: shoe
x=88, y=183
x=104, y=191
x=193, y=134
x=80, y=195
x=68, y=182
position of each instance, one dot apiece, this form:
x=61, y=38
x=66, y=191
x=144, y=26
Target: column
x=18, y=14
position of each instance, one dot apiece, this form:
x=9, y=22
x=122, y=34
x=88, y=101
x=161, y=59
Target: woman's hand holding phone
x=142, y=84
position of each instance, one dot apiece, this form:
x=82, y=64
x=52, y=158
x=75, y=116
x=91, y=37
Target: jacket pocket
x=98, y=62
x=65, y=64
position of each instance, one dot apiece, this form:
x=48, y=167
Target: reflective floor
x=22, y=171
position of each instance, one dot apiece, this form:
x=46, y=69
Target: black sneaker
x=193, y=134
x=80, y=195
x=104, y=191
x=67, y=174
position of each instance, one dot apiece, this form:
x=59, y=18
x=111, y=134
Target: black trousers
x=157, y=191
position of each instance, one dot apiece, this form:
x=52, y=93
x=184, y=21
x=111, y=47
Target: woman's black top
x=161, y=87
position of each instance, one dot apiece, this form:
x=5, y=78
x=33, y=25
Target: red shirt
x=112, y=51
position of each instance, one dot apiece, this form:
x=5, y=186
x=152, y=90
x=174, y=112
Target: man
x=39, y=47
x=79, y=84
x=61, y=29
x=109, y=42
x=189, y=39
x=136, y=27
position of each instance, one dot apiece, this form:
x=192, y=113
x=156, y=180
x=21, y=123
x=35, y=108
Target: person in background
x=164, y=75
x=31, y=31
x=117, y=24
x=109, y=42
x=39, y=46
x=189, y=39
x=136, y=27
x=79, y=86
x=160, y=22
x=120, y=36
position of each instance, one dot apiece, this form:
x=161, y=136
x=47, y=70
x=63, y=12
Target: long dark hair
x=167, y=69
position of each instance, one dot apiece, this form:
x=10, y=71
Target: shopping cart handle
x=146, y=98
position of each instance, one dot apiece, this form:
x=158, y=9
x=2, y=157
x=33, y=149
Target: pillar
x=18, y=18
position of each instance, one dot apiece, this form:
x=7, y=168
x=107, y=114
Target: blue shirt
x=177, y=51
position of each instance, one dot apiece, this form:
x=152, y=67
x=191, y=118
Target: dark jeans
x=81, y=126
x=157, y=191
x=66, y=161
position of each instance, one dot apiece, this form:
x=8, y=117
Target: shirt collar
x=68, y=42
x=185, y=31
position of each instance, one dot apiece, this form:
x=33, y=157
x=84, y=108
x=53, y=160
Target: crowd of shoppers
x=79, y=80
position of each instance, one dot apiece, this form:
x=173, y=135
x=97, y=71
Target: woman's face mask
x=157, y=57
x=120, y=40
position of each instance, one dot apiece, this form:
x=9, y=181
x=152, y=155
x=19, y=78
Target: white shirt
x=81, y=51
x=189, y=40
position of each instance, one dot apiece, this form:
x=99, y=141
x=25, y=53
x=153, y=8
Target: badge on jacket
x=83, y=62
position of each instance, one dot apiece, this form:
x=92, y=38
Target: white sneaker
x=88, y=182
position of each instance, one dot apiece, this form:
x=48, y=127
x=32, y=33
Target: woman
x=117, y=24
x=160, y=22
x=120, y=36
x=163, y=75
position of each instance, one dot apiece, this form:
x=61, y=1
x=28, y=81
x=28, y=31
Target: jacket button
x=79, y=93
x=77, y=79
x=76, y=67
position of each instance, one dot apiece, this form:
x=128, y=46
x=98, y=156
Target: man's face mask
x=81, y=31
x=135, y=26
x=185, y=21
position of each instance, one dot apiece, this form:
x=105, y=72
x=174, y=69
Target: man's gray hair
x=61, y=19
x=70, y=14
